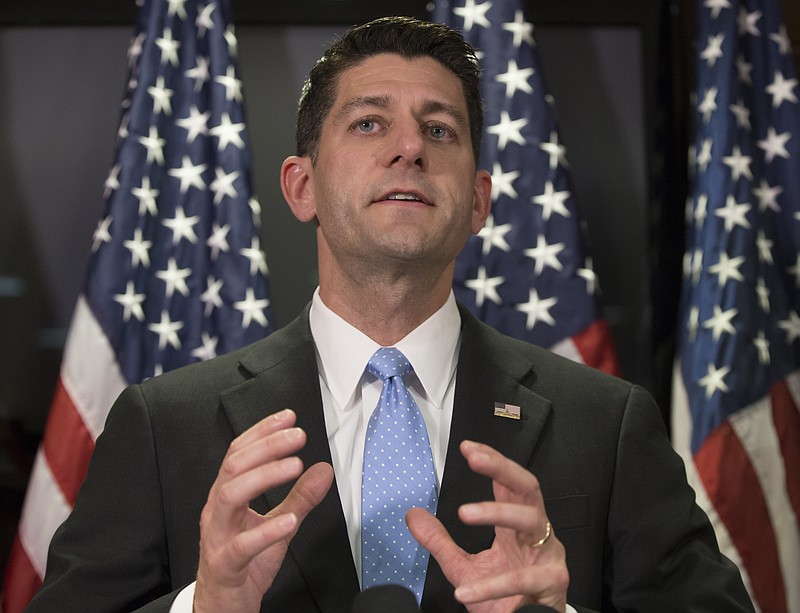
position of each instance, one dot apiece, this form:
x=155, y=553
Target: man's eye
x=438, y=132
x=366, y=125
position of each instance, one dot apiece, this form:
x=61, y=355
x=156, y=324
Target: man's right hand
x=240, y=550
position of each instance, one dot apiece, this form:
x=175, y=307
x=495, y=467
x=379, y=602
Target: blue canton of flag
x=177, y=273
x=737, y=378
x=527, y=272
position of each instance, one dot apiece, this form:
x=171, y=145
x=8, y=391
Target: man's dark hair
x=405, y=36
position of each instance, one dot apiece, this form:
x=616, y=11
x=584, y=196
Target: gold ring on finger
x=547, y=532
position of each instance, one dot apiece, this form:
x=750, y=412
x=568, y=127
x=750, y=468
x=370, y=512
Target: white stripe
x=566, y=348
x=756, y=430
x=89, y=371
x=44, y=510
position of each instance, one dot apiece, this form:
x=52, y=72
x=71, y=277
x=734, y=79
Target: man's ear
x=297, y=187
x=482, y=203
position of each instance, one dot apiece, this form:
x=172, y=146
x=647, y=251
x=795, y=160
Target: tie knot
x=388, y=362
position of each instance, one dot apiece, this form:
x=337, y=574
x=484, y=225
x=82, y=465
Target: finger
x=261, y=451
x=247, y=544
x=545, y=584
x=308, y=492
x=489, y=462
x=272, y=423
x=239, y=491
x=433, y=536
x=523, y=519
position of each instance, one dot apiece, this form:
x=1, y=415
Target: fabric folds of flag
x=176, y=274
x=527, y=273
x=736, y=383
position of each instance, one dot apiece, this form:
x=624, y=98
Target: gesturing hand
x=240, y=550
x=526, y=563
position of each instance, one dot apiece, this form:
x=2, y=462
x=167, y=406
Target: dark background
x=620, y=72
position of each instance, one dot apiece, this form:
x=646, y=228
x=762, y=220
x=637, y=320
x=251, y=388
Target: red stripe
x=67, y=444
x=596, y=347
x=21, y=580
x=787, y=423
x=735, y=492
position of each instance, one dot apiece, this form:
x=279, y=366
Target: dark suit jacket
x=614, y=489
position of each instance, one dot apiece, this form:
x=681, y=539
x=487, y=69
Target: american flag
x=176, y=274
x=736, y=386
x=527, y=273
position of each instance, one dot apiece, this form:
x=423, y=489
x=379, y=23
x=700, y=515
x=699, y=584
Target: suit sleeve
x=111, y=553
x=663, y=551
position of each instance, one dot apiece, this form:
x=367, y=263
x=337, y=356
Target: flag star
x=189, y=174
x=727, y=268
x=545, y=254
x=218, y=241
x=537, y=309
x=792, y=327
x=762, y=291
x=485, y=287
x=207, y=348
x=258, y=263
x=782, y=38
x=122, y=131
x=503, y=182
x=228, y=133
x=775, y=144
x=255, y=209
x=738, y=163
x=195, y=124
x=199, y=73
x=101, y=234
x=182, y=226
x=473, y=14
x=176, y=7
x=167, y=331
x=521, y=29
x=222, y=185
x=744, y=69
x=169, y=47
x=715, y=380
x=494, y=236
x=742, y=114
x=204, y=21
x=556, y=151
x=252, y=309
x=701, y=212
x=721, y=322
x=135, y=49
x=795, y=271
x=230, y=38
x=154, y=146
x=131, y=302
x=693, y=323
x=508, y=130
x=552, y=201
x=716, y=6
x=112, y=181
x=709, y=103
x=211, y=297
x=764, y=248
x=146, y=196
x=762, y=346
x=232, y=85
x=781, y=89
x=704, y=157
x=713, y=50
x=697, y=265
x=747, y=22
x=768, y=196
x=515, y=78
x=734, y=213
x=139, y=248
x=175, y=278
x=587, y=274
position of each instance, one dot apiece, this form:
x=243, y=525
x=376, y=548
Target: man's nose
x=408, y=146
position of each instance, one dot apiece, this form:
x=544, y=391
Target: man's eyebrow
x=437, y=106
x=429, y=107
x=361, y=102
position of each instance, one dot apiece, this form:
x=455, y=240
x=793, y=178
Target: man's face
x=395, y=177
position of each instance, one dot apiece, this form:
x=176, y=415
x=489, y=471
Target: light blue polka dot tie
x=398, y=474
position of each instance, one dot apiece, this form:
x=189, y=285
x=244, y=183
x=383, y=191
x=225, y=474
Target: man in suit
x=235, y=484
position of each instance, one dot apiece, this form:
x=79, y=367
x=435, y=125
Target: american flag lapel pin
x=509, y=411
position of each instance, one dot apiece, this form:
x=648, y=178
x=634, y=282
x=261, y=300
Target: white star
x=537, y=309
x=252, y=309
x=175, y=278
x=147, y=197
x=764, y=248
x=132, y=303
x=763, y=295
x=182, y=226
x=195, y=124
x=211, y=297
x=782, y=38
x=522, y=30
x=255, y=209
x=713, y=50
x=768, y=196
x=747, y=22
x=222, y=185
x=775, y=144
x=508, y=129
x=154, y=146
x=204, y=20
x=135, y=49
x=556, y=151
x=795, y=271
x=704, y=157
x=721, y=322
x=762, y=346
x=494, y=236
x=792, y=327
x=503, y=182
x=258, y=263
x=781, y=89
x=693, y=323
x=716, y=6
x=199, y=73
x=139, y=248
x=218, y=241
x=742, y=114
x=734, y=213
x=189, y=174
x=167, y=331
x=228, y=132
x=552, y=201
x=176, y=7
x=112, y=181
x=738, y=163
x=101, y=234
x=715, y=380
x=208, y=348
x=515, y=78
x=709, y=103
x=727, y=268
x=697, y=265
x=473, y=14
x=169, y=47
x=232, y=85
x=545, y=255
x=744, y=69
x=230, y=38
x=122, y=131
x=485, y=288
x=587, y=274
x=701, y=212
